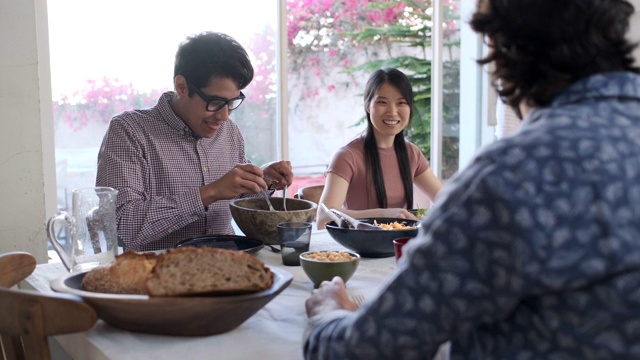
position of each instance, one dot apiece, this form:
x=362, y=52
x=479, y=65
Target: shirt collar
x=164, y=106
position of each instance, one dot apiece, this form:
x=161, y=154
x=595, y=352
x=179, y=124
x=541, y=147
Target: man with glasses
x=178, y=165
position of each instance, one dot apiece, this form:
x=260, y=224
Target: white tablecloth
x=274, y=332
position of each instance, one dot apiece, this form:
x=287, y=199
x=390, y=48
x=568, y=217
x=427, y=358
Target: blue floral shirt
x=532, y=252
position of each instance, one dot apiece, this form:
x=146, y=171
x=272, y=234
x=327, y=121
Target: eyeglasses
x=215, y=103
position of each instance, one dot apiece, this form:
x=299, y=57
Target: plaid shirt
x=157, y=165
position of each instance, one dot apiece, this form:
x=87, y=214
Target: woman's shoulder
x=357, y=143
x=413, y=149
x=355, y=146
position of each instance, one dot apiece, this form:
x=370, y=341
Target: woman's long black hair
x=399, y=80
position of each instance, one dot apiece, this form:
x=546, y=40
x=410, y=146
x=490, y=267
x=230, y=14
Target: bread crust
x=192, y=271
x=181, y=272
x=127, y=275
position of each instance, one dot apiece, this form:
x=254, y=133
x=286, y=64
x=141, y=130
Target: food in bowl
x=419, y=213
x=325, y=265
x=372, y=243
x=329, y=256
x=396, y=225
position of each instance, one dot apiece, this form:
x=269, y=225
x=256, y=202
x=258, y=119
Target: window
x=103, y=64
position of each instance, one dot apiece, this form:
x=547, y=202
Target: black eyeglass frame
x=224, y=101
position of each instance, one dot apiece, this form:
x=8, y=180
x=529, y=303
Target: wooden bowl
x=182, y=316
x=253, y=217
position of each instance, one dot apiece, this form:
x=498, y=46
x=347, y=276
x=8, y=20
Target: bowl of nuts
x=324, y=265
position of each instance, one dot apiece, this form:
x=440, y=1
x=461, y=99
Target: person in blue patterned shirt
x=533, y=250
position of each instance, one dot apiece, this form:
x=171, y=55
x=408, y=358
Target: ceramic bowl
x=176, y=315
x=372, y=243
x=253, y=217
x=321, y=270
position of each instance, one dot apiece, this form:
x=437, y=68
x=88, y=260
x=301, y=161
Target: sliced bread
x=192, y=270
x=127, y=275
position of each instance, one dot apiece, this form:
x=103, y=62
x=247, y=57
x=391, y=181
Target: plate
x=229, y=242
x=182, y=316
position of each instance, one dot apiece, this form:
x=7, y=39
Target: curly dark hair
x=540, y=47
x=400, y=81
x=210, y=55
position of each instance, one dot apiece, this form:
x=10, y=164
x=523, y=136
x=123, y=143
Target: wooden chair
x=27, y=318
x=311, y=193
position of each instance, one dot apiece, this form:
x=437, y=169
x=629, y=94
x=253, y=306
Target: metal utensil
x=284, y=198
x=273, y=248
x=266, y=196
x=334, y=217
x=357, y=298
x=358, y=225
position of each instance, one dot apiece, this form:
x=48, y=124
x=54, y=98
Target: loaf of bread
x=127, y=275
x=182, y=271
x=191, y=270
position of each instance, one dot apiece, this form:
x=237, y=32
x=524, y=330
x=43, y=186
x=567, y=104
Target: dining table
x=274, y=332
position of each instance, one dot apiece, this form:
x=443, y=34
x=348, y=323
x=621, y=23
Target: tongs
x=344, y=221
x=334, y=217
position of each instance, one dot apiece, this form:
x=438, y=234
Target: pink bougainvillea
x=100, y=100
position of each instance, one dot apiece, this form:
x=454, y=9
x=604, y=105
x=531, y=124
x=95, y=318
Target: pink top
x=349, y=164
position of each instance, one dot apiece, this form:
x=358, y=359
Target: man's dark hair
x=400, y=81
x=540, y=47
x=212, y=54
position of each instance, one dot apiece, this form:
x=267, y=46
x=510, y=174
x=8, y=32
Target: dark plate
x=371, y=243
x=229, y=242
x=182, y=316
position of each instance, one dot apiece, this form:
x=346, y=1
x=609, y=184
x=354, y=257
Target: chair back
x=311, y=193
x=27, y=318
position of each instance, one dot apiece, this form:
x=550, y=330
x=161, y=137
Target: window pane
x=111, y=56
x=451, y=88
x=334, y=47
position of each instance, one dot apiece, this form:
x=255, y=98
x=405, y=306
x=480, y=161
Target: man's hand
x=331, y=295
x=278, y=174
x=242, y=179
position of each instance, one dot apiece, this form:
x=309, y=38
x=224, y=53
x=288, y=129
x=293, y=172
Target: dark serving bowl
x=372, y=243
x=229, y=242
x=175, y=315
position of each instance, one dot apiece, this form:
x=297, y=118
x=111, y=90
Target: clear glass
x=295, y=238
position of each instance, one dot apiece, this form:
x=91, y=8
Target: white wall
x=26, y=135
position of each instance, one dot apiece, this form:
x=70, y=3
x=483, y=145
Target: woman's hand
x=395, y=213
x=331, y=295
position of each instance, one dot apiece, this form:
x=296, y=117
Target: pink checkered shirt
x=152, y=158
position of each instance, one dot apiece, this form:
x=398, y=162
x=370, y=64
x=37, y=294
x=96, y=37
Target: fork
x=357, y=298
x=266, y=196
